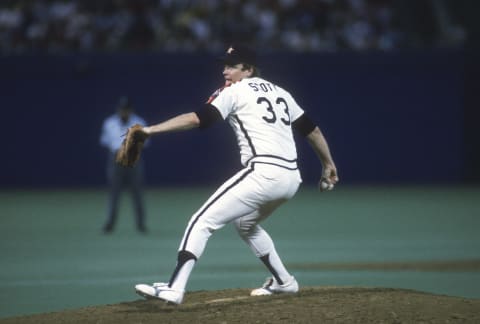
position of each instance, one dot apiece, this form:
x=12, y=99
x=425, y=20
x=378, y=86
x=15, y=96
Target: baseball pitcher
x=263, y=117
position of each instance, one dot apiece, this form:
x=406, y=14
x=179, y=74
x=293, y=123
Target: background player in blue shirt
x=119, y=177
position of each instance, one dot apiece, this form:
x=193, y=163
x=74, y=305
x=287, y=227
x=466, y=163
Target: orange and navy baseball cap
x=239, y=53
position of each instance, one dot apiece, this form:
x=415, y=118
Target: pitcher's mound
x=310, y=305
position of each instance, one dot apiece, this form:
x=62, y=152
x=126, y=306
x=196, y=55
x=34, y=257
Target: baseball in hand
x=325, y=185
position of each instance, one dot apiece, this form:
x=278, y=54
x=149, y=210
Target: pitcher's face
x=235, y=73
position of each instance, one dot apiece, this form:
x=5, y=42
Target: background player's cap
x=238, y=53
x=124, y=103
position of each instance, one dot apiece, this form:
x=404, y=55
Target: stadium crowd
x=54, y=26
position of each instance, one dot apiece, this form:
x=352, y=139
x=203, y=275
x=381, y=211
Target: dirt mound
x=311, y=305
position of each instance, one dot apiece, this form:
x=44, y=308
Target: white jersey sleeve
x=225, y=102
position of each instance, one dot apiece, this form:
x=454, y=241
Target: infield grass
x=54, y=256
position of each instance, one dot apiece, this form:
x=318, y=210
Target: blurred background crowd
x=56, y=26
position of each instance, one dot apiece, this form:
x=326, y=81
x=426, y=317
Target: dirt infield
x=311, y=305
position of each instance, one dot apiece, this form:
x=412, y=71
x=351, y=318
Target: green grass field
x=54, y=256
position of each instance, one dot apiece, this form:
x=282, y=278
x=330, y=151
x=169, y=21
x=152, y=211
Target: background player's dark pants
x=121, y=178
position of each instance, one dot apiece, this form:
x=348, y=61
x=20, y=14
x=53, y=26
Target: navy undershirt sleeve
x=208, y=115
x=303, y=125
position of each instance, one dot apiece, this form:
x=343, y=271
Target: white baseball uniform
x=261, y=114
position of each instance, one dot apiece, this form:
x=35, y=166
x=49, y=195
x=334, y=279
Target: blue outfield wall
x=389, y=118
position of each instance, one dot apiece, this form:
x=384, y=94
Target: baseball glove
x=132, y=146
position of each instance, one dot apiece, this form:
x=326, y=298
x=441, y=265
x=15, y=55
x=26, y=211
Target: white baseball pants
x=246, y=199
